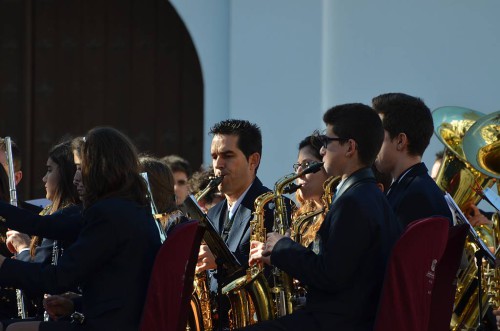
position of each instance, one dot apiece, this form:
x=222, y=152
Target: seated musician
x=161, y=182
x=62, y=194
x=118, y=228
x=344, y=267
x=310, y=193
x=198, y=181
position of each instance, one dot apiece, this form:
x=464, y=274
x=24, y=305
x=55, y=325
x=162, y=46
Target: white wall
x=282, y=63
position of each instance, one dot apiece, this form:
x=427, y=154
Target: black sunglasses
x=325, y=140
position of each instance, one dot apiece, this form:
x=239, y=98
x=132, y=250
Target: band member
x=198, y=181
x=114, y=250
x=181, y=170
x=408, y=128
x=161, y=182
x=62, y=194
x=236, y=152
x=343, y=277
x=311, y=191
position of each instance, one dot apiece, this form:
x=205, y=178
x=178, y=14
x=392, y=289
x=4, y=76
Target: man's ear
x=254, y=160
x=18, y=175
x=351, y=148
x=401, y=141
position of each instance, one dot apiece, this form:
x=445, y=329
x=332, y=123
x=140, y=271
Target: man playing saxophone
x=236, y=151
x=344, y=278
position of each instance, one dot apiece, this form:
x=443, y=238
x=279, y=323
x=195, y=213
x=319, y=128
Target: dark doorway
x=67, y=66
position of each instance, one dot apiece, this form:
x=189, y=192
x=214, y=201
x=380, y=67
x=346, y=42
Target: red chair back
x=445, y=284
x=171, y=284
x=405, y=301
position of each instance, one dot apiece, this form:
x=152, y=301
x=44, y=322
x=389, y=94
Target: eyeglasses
x=325, y=140
x=303, y=165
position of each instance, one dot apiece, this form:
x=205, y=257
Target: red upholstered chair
x=171, y=284
x=405, y=301
x=445, y=283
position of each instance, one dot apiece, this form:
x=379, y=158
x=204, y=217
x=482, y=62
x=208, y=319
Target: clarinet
x=55, y=258
x=21, y=307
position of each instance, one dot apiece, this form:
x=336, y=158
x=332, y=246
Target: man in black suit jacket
x=236, y=151
x=408, y=129
x=344, y=267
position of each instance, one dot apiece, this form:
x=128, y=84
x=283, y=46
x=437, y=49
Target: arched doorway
x=67, y=66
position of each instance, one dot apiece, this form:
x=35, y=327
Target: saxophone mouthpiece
x=313, y=168
x=291, y=188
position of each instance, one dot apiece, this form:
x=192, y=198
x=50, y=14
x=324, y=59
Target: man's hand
x=17, y=241
x=206, y=259
x=261, y=253
x=256, y=249
x=58, y=306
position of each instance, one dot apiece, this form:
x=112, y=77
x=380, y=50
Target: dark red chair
x=405, y=302
x=171, y=285
x=445, y=284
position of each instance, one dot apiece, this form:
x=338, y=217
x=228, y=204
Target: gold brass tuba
x=456, y=175
x=462, y=176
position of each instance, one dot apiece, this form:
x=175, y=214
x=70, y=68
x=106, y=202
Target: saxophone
x=302, y=225
x=201, y=318
x=250, y=295
x=283, y=289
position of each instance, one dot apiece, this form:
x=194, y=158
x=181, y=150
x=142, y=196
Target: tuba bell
x=456, y=175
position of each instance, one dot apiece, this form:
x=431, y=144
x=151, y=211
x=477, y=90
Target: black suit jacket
x=238, y=239
x=344, y=278
x=417, y=196
x=111, y=260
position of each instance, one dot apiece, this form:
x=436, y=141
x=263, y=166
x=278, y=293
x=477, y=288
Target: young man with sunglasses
x=343, y=276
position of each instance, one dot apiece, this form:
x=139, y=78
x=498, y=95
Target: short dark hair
x=314, y=143
x=358, y=122
x=16, y=153
x=76, y=145
x=249, y=135
x=439, y=155
x=406, y=114
x=177, y=164
x=200, y=180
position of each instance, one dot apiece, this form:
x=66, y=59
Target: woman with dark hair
x=311, y=191
x=161, y=181
x=61, y=193
x=114, y=251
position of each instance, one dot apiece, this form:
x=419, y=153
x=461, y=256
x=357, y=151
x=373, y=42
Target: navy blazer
x=345, y=270
x=111, y=261
x=417, y=196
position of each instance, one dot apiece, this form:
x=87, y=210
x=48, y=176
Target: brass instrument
x=456, y=175
x=250, y=295
x=283, y=283
x=21, y=307
x=302, y=224
x=463, y=177
x=201, y=318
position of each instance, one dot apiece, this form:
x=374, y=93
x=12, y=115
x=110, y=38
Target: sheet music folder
x=212, y=238
x=488, y=255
